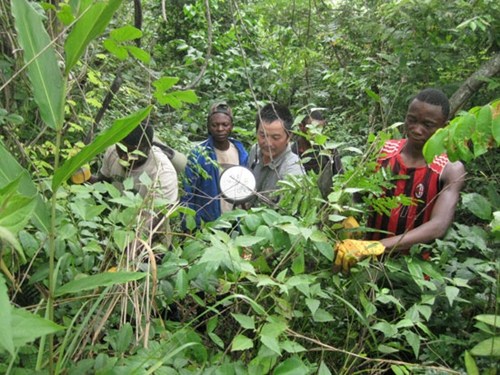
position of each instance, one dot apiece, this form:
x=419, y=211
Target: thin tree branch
x=208, y=54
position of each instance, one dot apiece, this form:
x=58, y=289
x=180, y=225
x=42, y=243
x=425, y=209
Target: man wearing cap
x=271, y=159
x=134, y=157
x=205, y=163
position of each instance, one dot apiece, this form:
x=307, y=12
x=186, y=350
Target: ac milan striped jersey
x=422, y=185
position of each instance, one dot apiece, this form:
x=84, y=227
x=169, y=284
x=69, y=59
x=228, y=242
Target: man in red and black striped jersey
x=434, y=188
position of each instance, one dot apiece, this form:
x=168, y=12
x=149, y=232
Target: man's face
x=310, y=123
x=422, y=121
x=220, y=127
x=135, y=156
x=272, y=138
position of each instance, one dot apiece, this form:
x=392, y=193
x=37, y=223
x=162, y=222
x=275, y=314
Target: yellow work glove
x=350, y=223
x=81, y=175
x=349, y=252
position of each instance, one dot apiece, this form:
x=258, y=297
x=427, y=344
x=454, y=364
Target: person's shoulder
x=291, y=164
x=160, y=158
x=454, y=172
x=391, y=147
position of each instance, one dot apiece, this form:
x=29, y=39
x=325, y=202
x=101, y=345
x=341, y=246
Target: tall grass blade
x=43, y=70
x=91, y=24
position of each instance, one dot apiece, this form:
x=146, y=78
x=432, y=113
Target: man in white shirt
x=134, y=157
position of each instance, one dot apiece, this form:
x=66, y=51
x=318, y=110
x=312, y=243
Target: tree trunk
x=489, y=69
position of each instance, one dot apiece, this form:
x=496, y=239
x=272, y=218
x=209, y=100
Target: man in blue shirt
x=205, y=163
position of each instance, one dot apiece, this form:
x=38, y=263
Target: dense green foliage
x=253, y=292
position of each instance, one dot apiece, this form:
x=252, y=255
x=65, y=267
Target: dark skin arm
x=443, y=211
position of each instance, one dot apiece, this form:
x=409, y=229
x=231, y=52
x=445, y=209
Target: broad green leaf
x=478, y=205
x=292, y=347
x=27, y=327
x=298, y=265
x=435, y=145
x=451, y=293
x=415, y=271
x=387, y=349
x=65, y=14
x=10, y=170
x=482, y=135
x=492, y=320
x=487, y=348
x=470, y=364
x=247, y=322
x=43, y=70
x=216, y=339
x=290, y=229
x=139, y=54
x=9, y=237
x=241, y=342
x=125, y=335
x=175, y=98
x=186, y=96
x=404, y=323
x=120, y=129
x=312, y=304
x=6, y=338
x=252, y=222
x=389, y=330
x=271, y=343
x=495, y=126
x=99, y=280
x=247, y=240
x=323, y=369
x=181, y=283
x=125, y=33
x=318, y=236
x=120, y=52
x=291, y=366
x=322, y=316
x=326, y=249
x=460, y=130
x=273, y=329
x=414, y=340
x=165, y=83
x=93, y=21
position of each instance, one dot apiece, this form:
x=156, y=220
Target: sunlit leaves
x=173, y=98
x=241, y=342
x=467, y=137
x=117, y=44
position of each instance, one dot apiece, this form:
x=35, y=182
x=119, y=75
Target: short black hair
x=434, y=97
x=141, y=136
x=315, y=114
x=272, y=112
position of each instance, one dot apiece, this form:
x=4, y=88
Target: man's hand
x=349, y=252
